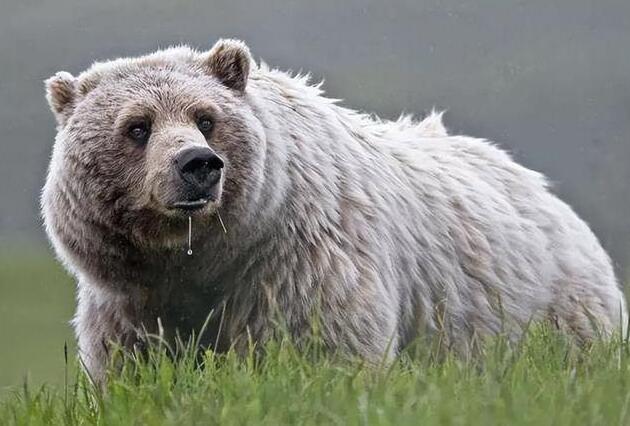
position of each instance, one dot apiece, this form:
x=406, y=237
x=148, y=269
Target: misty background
x=547, y=80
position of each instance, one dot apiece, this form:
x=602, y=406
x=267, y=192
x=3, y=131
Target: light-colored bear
x=301, y=208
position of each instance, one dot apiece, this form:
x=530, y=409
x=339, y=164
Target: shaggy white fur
x=387, y=230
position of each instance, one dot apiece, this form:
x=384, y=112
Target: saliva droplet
x=189, y=252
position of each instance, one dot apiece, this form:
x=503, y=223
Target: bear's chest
x=182, y=295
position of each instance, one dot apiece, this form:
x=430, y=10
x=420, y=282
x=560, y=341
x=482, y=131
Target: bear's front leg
x=101, y=322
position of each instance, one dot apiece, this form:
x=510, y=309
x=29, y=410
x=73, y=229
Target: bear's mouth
x=190, y=205
x=193, y=199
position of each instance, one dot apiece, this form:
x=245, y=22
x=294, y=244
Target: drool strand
x=189, y=252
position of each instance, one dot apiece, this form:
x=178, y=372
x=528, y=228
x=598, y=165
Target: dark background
x=547, y=80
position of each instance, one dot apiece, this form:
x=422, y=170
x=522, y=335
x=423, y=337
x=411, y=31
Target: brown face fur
x=129, y=186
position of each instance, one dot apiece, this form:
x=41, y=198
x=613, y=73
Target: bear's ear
x=61, y=93
x=229, y=61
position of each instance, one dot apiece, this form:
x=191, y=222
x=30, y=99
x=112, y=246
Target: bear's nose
x=199, y=166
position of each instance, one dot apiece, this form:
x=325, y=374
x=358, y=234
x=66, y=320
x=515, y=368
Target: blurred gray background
x=548, y=80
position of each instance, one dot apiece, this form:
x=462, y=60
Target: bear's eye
x=205, y=125
x=139, y=132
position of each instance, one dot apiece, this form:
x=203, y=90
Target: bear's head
x=144, y=143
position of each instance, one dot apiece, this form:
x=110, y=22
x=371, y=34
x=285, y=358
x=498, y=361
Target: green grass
x=543, y=380
x=36, y=303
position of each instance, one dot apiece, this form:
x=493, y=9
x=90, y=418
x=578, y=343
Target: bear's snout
x=200, y=171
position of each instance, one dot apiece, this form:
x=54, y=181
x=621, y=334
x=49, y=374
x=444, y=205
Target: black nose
x=199, y=166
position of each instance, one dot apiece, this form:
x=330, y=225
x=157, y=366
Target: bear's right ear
x=61, y=93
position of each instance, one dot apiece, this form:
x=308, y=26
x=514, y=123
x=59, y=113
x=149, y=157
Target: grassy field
x=36, y=303
x=542, y=380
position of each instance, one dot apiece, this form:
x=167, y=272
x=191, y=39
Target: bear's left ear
x=229, y=61
x=61, y=93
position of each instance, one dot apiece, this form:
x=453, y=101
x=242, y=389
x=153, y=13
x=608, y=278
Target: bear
x=200, y=189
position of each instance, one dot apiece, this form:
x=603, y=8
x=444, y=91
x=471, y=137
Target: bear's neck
x=319, y=156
